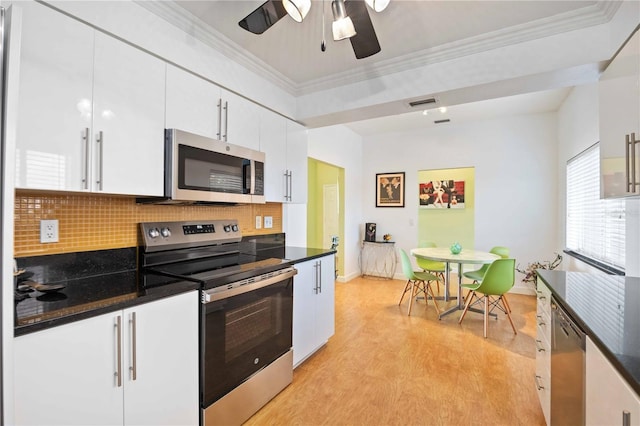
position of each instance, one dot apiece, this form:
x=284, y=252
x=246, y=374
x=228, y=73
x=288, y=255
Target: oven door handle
x=241, y=287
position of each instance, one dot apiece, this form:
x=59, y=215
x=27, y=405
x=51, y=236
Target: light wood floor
x=384, y=368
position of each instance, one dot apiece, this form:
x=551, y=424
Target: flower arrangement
x=530, y=272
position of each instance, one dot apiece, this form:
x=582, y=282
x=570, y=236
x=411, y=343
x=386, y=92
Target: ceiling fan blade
x=261, y=19
x=365, y=42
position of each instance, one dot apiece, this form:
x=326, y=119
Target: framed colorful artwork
x=445, y=194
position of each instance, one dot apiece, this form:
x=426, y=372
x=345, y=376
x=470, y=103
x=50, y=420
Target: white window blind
x=595, y=227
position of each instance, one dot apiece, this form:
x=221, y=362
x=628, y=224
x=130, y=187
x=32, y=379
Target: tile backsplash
x=99, y=222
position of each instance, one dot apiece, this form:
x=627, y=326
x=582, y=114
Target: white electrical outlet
x=268, y=222
x=258, y=222
x=49, y=231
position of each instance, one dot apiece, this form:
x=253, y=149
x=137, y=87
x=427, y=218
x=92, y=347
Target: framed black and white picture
x=390, y=189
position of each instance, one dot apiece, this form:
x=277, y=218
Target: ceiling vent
x=446, y=120
x=422, y=102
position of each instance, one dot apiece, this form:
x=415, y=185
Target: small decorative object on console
x=455, y=248
x=386, y=237
x=370, y=232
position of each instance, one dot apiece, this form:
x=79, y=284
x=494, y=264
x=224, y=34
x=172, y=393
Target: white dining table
x=466, y=256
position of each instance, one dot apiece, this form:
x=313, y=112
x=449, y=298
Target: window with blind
x=595, y=227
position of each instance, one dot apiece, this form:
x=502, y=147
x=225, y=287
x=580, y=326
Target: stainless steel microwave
x=203, y=170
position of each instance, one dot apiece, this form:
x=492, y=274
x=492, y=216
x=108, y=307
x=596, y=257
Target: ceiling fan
x=351, y=20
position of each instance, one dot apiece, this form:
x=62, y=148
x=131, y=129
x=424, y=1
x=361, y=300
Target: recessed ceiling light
x=443, y=109
x=425, y=112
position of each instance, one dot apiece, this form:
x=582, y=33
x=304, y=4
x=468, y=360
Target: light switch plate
x=258, y=222
x=268, y=221
x=49, y=231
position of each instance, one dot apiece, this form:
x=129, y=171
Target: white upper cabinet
x=198, y=106
x=55, y=101
x=273, y=142
x=91, y=110
x=192, y=103
x=285, y=144
x=297, y=162
x=619, y=91
x=128, y=124
x=240, y=120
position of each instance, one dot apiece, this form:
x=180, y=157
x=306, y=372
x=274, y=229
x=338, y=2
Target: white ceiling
x=412, y=33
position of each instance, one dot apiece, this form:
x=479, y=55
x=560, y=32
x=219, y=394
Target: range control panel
x=171, y=235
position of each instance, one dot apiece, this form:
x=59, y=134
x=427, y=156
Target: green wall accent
x=325, y=178
x=446, y=226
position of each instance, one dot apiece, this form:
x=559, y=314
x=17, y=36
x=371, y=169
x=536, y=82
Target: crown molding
x=180, y=18
x=596, y=14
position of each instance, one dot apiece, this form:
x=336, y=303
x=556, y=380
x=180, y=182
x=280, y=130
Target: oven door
x=245, y=326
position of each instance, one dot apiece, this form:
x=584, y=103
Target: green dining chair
x=417, y=282
x=477, y=275
x=497, y=281
x=435, y=267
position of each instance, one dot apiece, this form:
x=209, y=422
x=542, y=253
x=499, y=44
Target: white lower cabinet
x=94, y=372
x=543, y=349
x=313, y=306
x=609, y=399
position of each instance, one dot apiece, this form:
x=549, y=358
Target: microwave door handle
x=246, y=189
x=253, y=177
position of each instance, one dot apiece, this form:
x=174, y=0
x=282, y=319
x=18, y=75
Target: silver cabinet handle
x=219, y=134
x=133, y=368
x=118, y=373
x=315, y=286
x=100, y=141
x=320, y=275
x=631, y=158
x=286, y=185
x=626, y=418
x=85, y=138
x=538, y=347
x=290, y=185
x=538, y=385
x=226, y=121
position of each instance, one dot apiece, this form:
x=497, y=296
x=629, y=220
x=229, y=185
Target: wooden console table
x=378, y=259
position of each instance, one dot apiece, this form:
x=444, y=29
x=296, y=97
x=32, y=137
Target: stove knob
x=154, y=233
x=166, y=232
x=235, y=228
x=227, y=228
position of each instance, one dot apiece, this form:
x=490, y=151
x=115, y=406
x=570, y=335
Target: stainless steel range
x=246, y=312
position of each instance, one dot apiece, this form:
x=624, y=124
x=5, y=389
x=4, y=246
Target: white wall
x=578, y=129
x=515, y=178
x=340, y=146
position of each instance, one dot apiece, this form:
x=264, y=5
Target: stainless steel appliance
x=203, y=170
x=567, y=369
x=246, y=311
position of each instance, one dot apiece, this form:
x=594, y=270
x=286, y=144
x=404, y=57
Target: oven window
x=243, y=334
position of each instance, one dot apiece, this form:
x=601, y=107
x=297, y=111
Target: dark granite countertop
x=607, y=307
x=95, y=283
x=301, y=254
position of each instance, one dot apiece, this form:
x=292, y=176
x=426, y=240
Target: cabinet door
x=129, y=100
x=607, y=407
x=241, y=124
x=165, y=345
x=304, y=318
x=273, y=142
x=54, y=109
x=325, y=303
x=192, y=104
x=65, y=375
x=297, y=161
x=619, y=91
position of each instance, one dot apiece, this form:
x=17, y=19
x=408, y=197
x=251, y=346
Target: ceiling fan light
x=377, y=5
x=297, y=9
x=343, y=28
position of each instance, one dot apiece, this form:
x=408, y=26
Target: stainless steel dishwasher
x=567, y=368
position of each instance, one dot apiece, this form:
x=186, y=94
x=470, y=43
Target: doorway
x=325, y=208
